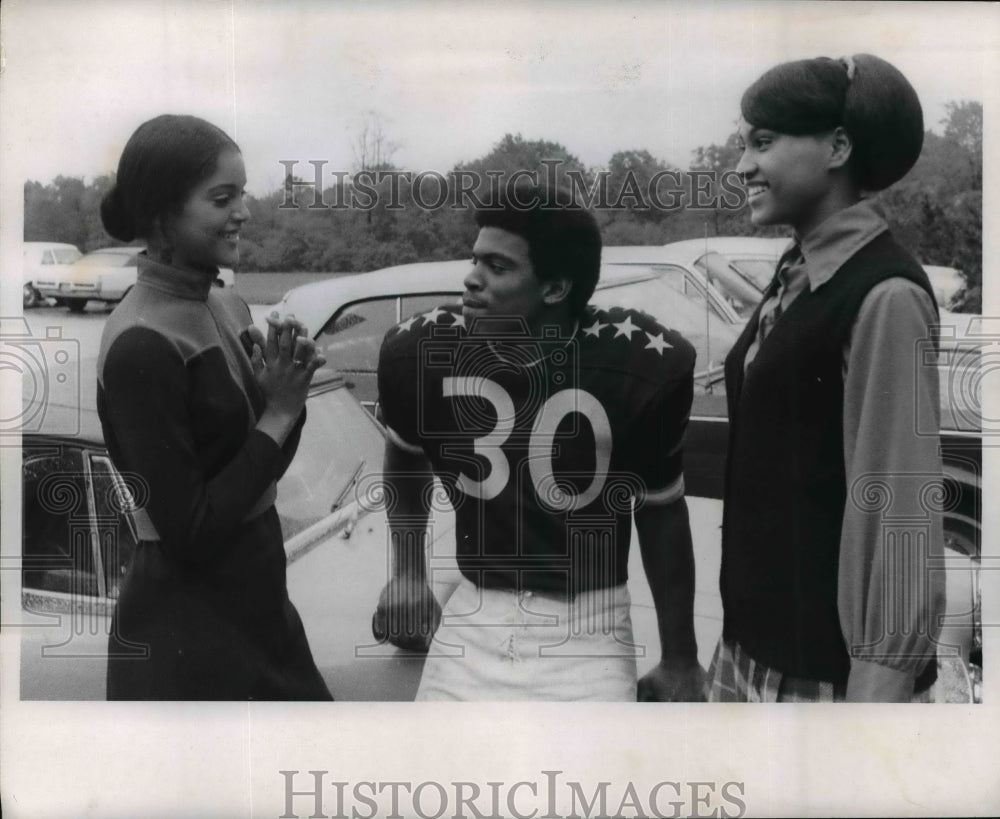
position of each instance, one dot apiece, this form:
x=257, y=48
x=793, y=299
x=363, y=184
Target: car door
x=351, y=339
x=76, y=542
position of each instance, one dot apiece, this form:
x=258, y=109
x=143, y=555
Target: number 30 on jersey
x=540, y=445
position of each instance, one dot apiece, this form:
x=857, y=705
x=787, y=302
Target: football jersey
x=542, y=444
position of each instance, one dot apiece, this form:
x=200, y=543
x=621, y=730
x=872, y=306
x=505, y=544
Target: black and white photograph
x=532, y=409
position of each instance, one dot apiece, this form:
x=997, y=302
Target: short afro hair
x=563, y=237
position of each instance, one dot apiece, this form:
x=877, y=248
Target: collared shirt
x=883, y=393
x=792, y=280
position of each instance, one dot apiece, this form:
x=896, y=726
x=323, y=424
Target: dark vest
x=785, y=478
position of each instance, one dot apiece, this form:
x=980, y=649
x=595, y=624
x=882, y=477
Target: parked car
x=102, y=275
x=734, y=269
x=349, y=315
x=44, y=260
x=756, y=256
x=76, y=540
x=754, y=260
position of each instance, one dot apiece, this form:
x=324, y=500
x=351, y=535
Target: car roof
x=56, y=422
x=315, y=303
x=687, y=251
x=50, y=244
x=735, y=245
x=118, y=249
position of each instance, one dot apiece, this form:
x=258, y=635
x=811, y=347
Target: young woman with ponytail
x=206, y=414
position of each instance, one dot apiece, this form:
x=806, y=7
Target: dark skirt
x=220, y=629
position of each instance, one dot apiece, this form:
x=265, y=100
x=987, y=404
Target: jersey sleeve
x=144, y=408
x=658, y=440
x=398, y=390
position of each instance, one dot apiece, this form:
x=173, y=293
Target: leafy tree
x=936, y=210
x=55, y=213
x=631, y=180
x=514, y=153
x=964, y=126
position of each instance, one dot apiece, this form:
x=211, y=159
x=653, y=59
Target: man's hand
x=673, y=680
x=407, y=614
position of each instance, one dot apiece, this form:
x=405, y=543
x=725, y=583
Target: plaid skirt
x=734, y=676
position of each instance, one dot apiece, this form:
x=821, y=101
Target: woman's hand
x=284, y=364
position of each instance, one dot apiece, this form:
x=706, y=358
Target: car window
x=56, y=531
x=115, y=532
x=693, y=290
x=760, y=270
x=109, y=259
x=731, y=283
x=340, y=441
x=351, y=339
x=47, y=257
x=65, y=255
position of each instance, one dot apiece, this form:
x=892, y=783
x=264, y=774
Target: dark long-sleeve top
x=179, y=403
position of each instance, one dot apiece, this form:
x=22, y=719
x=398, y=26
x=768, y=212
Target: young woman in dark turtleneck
x=206, y=413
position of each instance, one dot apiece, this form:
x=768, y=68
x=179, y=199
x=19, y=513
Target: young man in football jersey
x=551, y=425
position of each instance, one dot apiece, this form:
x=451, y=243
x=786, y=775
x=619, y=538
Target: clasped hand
x=284, y=362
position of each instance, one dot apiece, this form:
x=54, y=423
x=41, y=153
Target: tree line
x=382, y=216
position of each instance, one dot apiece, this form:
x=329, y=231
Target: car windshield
x=738, y=288
x=107, y=259
x=340, y=440
x=760, y=271
x=65, y=255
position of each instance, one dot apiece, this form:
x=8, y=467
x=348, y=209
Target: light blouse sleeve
x=889, y=596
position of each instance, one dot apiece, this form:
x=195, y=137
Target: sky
x=294, y=80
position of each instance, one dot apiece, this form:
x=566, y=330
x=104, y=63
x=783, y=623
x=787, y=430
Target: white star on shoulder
x=434, y=315
x=459, y=320
x=595, y=328
x=406, y=325
x=658, y=343
x=626, y=328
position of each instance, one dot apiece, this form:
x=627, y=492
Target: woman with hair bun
x=207, y=413
x=824, y=598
